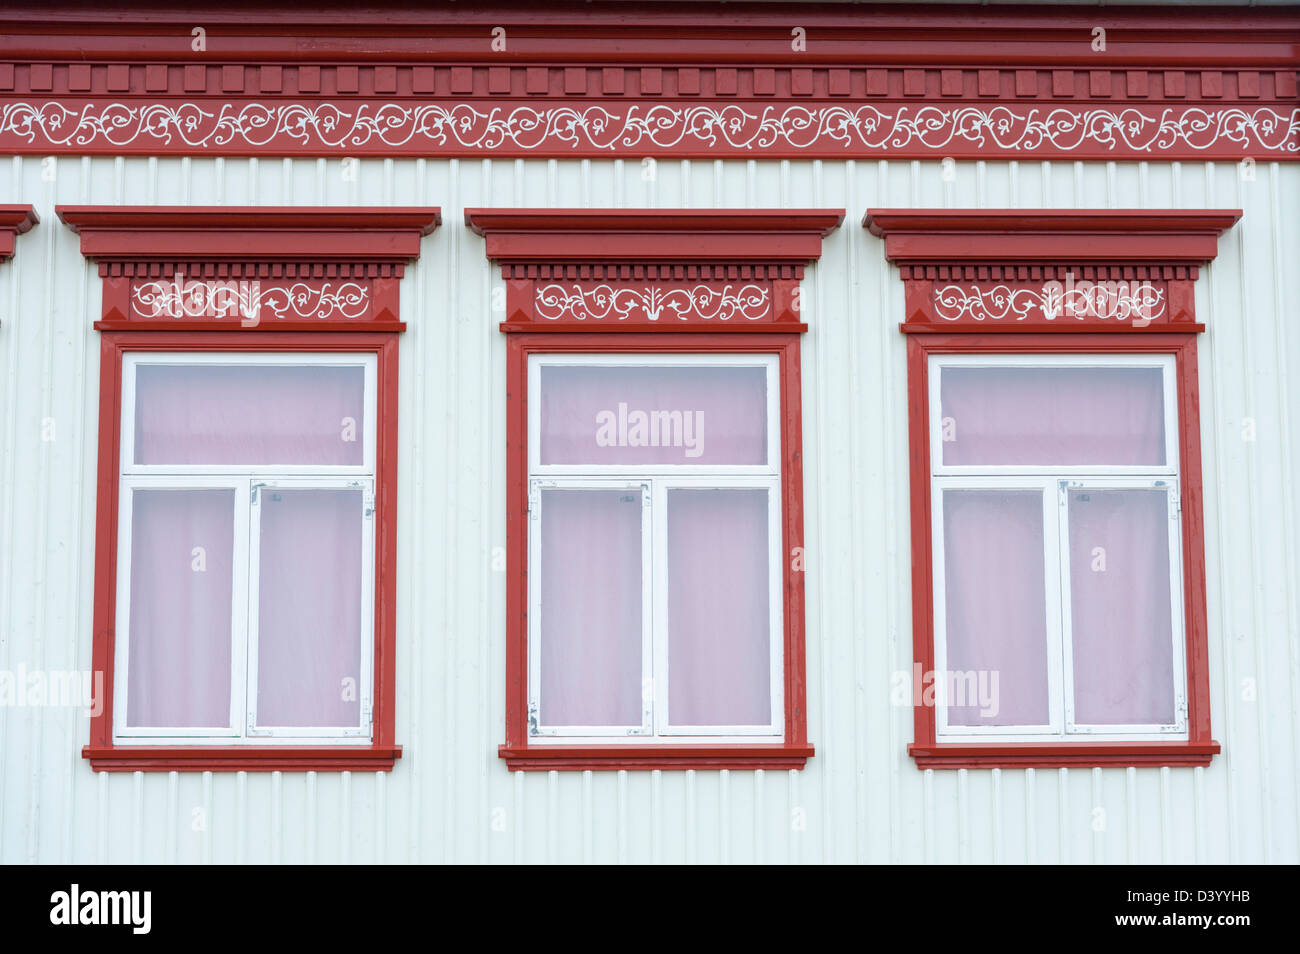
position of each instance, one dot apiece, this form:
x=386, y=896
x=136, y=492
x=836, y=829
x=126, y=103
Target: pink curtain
x=309, y=612
x=1120, y=607
x=249, y=414
x=718, y=608
x=589, y=415
x=181, y=589
x=995, y=605
x=1052, y=416
x=590, y=607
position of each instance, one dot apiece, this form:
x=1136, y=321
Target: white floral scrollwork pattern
x=246, y=299
x=218, y=126
x=555, y=302
x=1140, y=302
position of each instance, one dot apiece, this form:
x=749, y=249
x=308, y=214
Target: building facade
x=650, y=433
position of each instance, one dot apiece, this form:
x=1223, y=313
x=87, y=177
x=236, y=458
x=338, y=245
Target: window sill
x=242, y=758
x=1014, y=755
x=581, y=758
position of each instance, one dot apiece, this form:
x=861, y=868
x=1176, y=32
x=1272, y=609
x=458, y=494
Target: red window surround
x=14, y=221
x=675, y=282
x=982, y=282
x=327, y=282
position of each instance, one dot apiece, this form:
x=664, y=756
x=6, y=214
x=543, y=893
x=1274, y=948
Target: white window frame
x=133, y=360
x=655, y=482
x=536, y=728
x=245, y=481
x=770, y=362
x=1054, y=484
x=1170, y=395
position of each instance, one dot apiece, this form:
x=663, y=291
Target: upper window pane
x=1052, y=416
x=250, y=414
x=609, y=415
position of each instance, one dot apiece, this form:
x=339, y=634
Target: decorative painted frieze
x=606, y=302
x=480, y=127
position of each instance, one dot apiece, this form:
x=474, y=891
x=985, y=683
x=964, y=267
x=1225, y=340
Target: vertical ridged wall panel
x=861, y=798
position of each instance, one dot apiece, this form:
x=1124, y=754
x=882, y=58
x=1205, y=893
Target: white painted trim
x=536, y=729
x=365, y=687
x=1165, y=362
x=771, y=362
x=132, y=360
x=655, y=481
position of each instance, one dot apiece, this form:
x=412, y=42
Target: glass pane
x=182, y=581
x=1052, y=416
x=249, y=414
x=995, y=607
x=591, y=607
x=1120, y=611
x=309, y=608
x=653, y=415
x=718, y=611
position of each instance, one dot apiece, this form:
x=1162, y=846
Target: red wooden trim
x=250, y=233
x=653, y=235
x=393, y=327
x=574, y=758
x=764, y=328
x=246, y=758
x=917, y=327
x=640, y=80
x=1013, y=236
x=14, y=221
x=380, y=755
x=1078, y=755
x=742, y=33
x=1200, y=746
x=519, y=755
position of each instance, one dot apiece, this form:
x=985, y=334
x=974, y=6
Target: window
x=654, y=548
x=1058, y=561
x=654, y=523
x=1057, y=548
x=246, y=506
x=246, y=548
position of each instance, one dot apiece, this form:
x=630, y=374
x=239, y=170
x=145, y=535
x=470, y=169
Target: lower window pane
x=591, y=608
x=182, y=545
x=1120, y=612
x=719, y=617
x=995, y=608
x=309, y=608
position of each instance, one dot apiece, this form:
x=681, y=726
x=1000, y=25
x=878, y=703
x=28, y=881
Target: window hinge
x=1175, y=505
x=368, y=496
x=367, y=714
x=534, y=500
x=252, y=492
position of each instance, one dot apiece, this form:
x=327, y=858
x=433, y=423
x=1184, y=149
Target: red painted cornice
x=14, y=221
x=250, y=234
x=566, y=33
x=517, y=236
x=1013, y=236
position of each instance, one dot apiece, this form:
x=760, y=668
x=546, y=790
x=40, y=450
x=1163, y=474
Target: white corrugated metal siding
x=861, y=798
